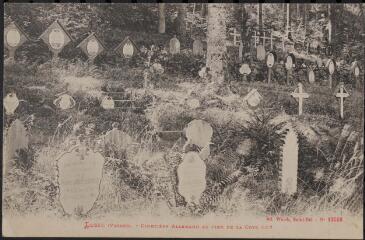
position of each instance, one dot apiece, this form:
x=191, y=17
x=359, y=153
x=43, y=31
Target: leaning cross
x=342, y=94
x=300, y=95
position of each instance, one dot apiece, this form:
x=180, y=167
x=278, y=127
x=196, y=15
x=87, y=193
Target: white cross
x=235, y=34
x=300, y=95
x=342, y=94
x=257, y=37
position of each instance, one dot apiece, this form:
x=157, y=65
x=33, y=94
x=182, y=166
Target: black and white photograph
x=207, y=120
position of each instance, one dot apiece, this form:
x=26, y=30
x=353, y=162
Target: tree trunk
x=305, y=18
x=243, y=21
x=181, y=18
x=203, y=11
x=260, y=17
x=216, y=41
x=161, y=22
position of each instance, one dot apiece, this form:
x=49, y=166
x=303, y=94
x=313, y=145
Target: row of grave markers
x=56, y=38
x=80, y=169
x=271, y=59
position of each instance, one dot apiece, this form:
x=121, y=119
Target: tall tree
x=181, y=18
x=260, y=17
x=216, y=41
x=162, y=21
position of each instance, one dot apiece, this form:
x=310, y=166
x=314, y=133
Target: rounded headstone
x=261, y=53
x=64, y=102
x=199, y=132
x=311, y=76
x=108, y=103
x=289, y=62
x=79, y=177
x=331, y=66
x=191, y=175
x=128, y=50
x=174, y=46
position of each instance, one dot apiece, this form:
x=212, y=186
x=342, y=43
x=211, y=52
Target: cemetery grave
x=147, y=128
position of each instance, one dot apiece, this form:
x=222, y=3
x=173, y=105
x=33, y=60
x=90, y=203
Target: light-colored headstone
x=79, y=176
x=270, y=60
x=191, y=175
x=289, y=62
x=311, y=76
x=128, y=50
x=253, y=98
x=13, y=37
x=289, y=168
x=174, y=45
x=118, y=139
x=198, y=48
x=11, y=103
x=319, y=62
x=199, y=132
x=261, y=53
x=108, y=103
x=245, y=69
x=331, y=66
x=16, y=138
x=64, y=102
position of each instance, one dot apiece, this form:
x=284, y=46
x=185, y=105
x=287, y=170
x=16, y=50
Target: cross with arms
x=298, y=93
x=341, y=93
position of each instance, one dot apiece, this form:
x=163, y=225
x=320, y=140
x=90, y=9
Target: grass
x=144, y=175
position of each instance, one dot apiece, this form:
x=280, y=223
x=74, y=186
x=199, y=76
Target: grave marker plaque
x=253, y=98
x=91, y=46
x=56, y=37
x=64, y=102
x=79, y=176
x=174, y=45
x=245, y=70
x=127, y=48
x=11, y=103
x=14, y=37
x=289, y=66
x=198, y=48
x=191, y=175
x=355, y=70
x=108, y=103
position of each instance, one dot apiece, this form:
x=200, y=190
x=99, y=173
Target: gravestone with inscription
x=14, y=37
x=311, y=76
x=79, y=176
x=174, y=45
x=91, y=46
x=127, y=48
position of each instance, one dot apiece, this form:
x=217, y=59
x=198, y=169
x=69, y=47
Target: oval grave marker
x=13, y=37
x=92, y=47
x=128, y=50
x=270, y=60
x=311, y=76
x=11, y=103
x=79, y=176
x=191, y=175
x=199, y=132
x=107, y=103
x=56, y=39
x=289, y=62
x=64, y=102
x=331, y=66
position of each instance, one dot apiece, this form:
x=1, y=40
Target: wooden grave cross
x=258, y=37
x=341, y=93
x=298, y=93
x=235, y=35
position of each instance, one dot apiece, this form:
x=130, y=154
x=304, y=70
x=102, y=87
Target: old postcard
x=183, y=120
